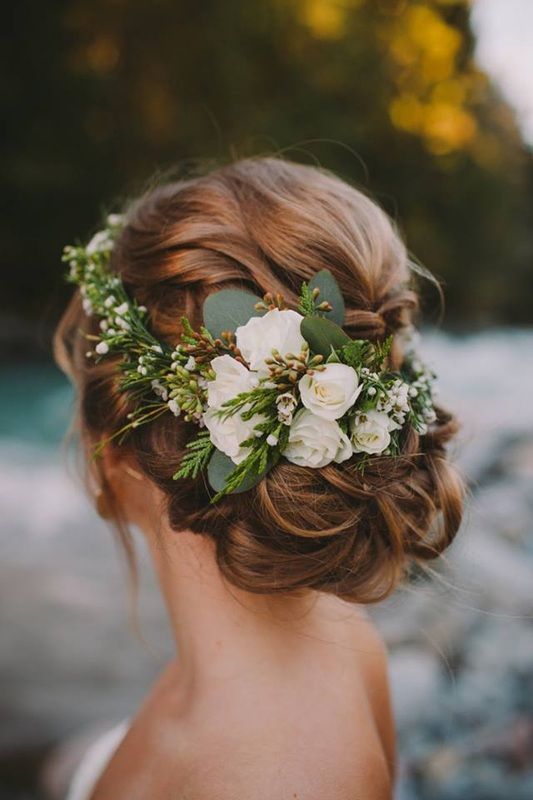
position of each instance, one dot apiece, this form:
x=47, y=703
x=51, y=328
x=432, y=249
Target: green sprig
x=309, y=304
x=195, y=460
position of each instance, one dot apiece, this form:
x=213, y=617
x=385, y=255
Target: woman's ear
x=130, y=489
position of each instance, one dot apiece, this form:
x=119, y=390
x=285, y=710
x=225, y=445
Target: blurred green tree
x=100, y=94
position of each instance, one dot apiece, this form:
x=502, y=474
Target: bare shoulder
x=314, y=734
x=372, y=664
x=302, y=760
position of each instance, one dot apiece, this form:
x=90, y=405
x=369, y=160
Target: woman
x=315, y=475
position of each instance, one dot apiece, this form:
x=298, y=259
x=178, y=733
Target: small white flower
x=160, y=390
x=276, y=330
x=286, y=404
x=121, y=322
x=142, y=370
x=157, y=349
x=174, y=407
x=87, y=306
x=330, y=392
x=104, y=325
x=191, y=364
x=228, y=433
x=370, y=432
x=272, y=440
x=100, y=243
x=430, y=415
x=102, y=348
x=122, y=309
x=231, y=378
x=315, y=441
x=110, y=301
x=371, y=391
x=114, y=220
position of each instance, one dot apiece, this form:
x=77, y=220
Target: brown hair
x=265, y=225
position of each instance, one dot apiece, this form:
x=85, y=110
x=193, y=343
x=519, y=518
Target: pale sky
x=505, y=50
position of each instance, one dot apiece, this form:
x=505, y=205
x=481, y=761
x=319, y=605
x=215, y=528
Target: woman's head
x=267, y=225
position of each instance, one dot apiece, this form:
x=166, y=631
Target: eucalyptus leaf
x=228, y=309
x=329, y=290
x=219, y=468
x=322, y=335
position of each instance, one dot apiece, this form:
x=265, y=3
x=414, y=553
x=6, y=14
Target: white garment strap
x=94, y=762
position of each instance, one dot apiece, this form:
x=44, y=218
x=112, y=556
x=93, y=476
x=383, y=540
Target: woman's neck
x=218, y=628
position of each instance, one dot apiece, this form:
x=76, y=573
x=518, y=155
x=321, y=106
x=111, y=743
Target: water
x=461, y=646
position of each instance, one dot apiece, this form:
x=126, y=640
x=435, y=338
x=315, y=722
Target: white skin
x=269, y=697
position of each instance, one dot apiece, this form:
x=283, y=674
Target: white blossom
x=370, y=432
x=159, y=389
x=87, y=306
x=276, y=330
x=102, y=348
x=286, y=404
x=114, y=220
x=121, y=322
x=100, y=243
x=330, y=392
x=227, y=433
x=231, y=378
x=315, y=441
x=122, y=309
x=174, y=407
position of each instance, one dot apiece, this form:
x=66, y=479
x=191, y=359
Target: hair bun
x=338, y=530
x=266, y=225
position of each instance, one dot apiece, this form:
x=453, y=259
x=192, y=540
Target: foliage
x=113, y=91
x=195, y=460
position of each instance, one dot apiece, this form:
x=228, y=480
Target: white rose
x=330, y=392
x=370, y=432
x=227, y=433
x=315, y=442
x=276, y=330
x=231, y=378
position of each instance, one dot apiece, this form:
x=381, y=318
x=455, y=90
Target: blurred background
x=426, y=104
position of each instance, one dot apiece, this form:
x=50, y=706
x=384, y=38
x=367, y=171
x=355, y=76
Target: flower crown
x=260, y=380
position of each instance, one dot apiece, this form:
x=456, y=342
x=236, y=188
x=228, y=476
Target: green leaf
x=228, y=309
x=322, y=334
x=355, y=353
x=329, y=290
x=220, y=468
